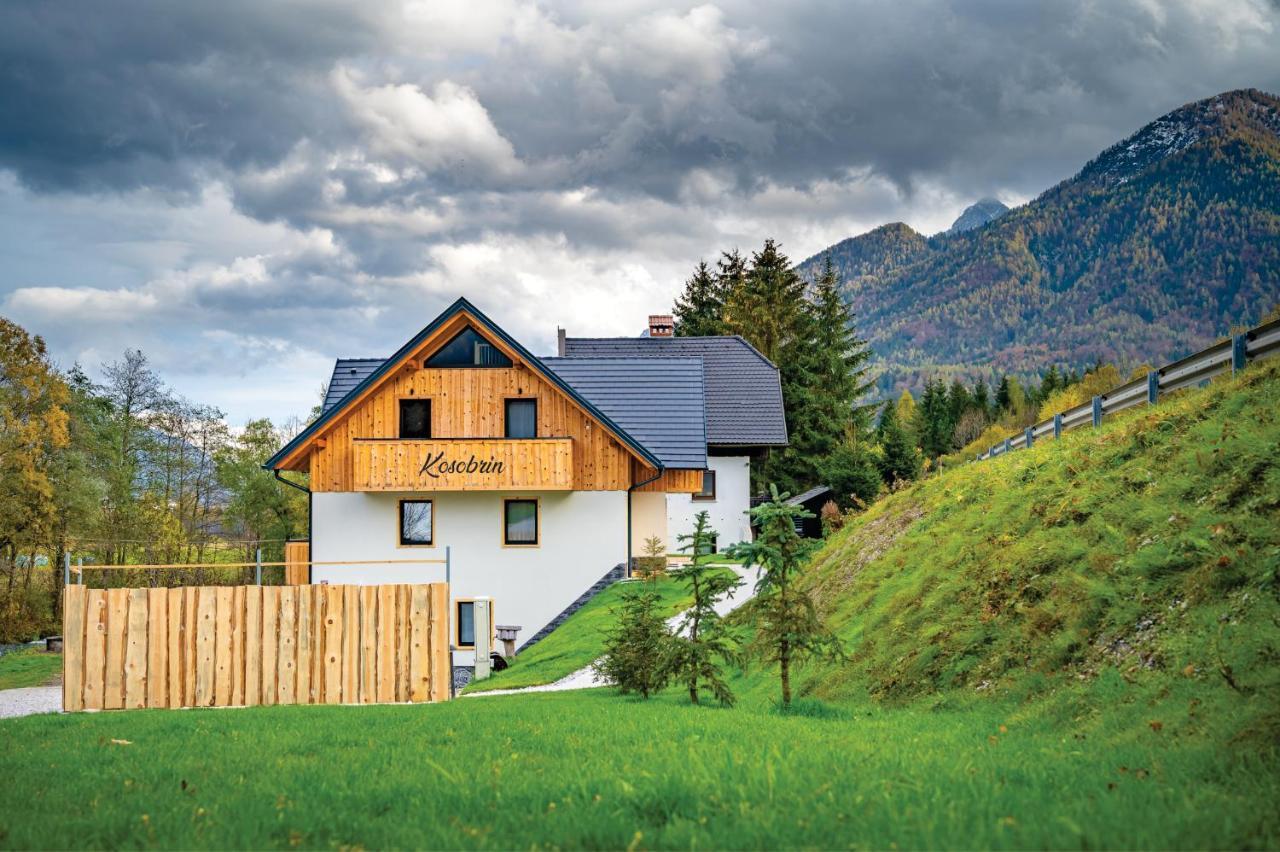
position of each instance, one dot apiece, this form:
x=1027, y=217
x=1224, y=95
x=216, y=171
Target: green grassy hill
x=1141, y=559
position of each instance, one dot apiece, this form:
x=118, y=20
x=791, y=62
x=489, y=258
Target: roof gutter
x=656, y=476
x=304, y=489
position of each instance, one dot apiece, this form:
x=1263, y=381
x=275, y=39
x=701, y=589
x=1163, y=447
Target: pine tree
x=638, y=651
x=702, y=643
x=788, y=628
x=852, y=473
x=982, y=397
x=768, y=306
x=699, y=311
x=731, y=275
x=843, y=370
x=1002, y=394
x=900, y=459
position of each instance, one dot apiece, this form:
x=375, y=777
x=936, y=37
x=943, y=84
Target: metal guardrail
x=1231, y=354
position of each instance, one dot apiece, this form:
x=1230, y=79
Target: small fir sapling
x=638, y=650
x=702, y=644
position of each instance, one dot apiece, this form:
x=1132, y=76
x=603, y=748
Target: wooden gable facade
x=359, y=448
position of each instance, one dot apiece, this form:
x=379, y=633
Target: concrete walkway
x=26, y=702
x=586, y=678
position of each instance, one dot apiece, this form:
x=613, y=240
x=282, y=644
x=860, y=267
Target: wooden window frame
x=537, y=523
x=506, y=417
x=698, y=496
x=400, y=542
x=431, y=416
x=457, y=625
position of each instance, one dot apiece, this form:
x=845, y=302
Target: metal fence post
x=1030, y=436
x=1057, y=426
x=448, y=565
x=1008, y=444
x=66, y=568
x=257, y=571
x=1239, y=352
x=80, y=565
x=1097, y=411
x=1153, y=387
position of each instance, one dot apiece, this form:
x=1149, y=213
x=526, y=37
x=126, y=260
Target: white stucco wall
x=582, y=536
x=648, y=518
x=728, y=511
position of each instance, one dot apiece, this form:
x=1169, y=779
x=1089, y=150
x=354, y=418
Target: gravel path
x=25, y=702
x=586, y=678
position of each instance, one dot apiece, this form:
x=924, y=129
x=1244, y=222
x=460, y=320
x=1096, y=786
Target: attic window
x=468, y=349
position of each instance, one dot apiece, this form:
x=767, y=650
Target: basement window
x=522, y=418
x=415, y=419
x=417, y=523
x=708, y=491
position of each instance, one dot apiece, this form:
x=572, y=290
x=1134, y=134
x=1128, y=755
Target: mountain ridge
x=1154, y=248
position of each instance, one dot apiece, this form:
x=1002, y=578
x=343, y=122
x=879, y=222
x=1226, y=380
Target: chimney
x=661, y=325
x=560, y=341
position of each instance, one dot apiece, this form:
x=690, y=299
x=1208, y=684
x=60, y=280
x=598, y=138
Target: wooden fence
x=231, y=646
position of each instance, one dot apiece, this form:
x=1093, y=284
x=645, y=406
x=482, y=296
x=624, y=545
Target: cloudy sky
x=246, y=190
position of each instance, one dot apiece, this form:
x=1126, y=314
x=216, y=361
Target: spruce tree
x=982, y=397
x=702, y=643
x=700, y=308
x=852, y=473
x=1002, y=394
x=936, y=426
x=638, y=651
x=899, y=460
x=788, y=628
x=843, y=359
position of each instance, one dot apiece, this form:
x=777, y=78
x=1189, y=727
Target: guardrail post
x=1057, y=426
x=1239, y=352
x=1153, y=387
x=1097, y=411
x=257, y=571
x=1030, y=436
x=1008, y=445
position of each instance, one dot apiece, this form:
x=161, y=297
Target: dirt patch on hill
x=864, y=546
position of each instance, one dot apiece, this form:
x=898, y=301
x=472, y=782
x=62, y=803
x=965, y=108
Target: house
x=539, y=476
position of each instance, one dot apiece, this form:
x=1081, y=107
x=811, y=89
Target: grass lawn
x=29, y=668
x=590, y=769
x=577, y=642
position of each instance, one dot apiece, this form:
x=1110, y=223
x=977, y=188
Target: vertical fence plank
x=222, y=647
x=176, y=650
x=135, y=651
x=441, y=659
x=368, y=644
x=73, y=629
x=270, y=642
x=287, y=687
x=253, y=645
x=117, y=623
x=158, y=648
x=402, y=643
x=302, y=669
x=318, y=598
x=206, y=648
x=420, y=643
x=333, y=619
x=386, y=637
x=190, y=645
x=236, y=698
x=350, y=645
x=95, y=649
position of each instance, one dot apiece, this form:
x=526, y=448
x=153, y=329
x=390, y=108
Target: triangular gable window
x=468, y=349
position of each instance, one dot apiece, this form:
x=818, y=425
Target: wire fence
x=1232, y=354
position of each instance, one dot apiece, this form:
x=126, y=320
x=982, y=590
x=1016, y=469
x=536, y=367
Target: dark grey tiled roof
x=806, y=496
x=347, y=373
x=659, y=401
x=743, y=392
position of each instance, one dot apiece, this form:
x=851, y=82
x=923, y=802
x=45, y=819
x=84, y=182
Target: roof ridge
x=677, y=339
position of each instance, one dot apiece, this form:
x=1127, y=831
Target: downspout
x=661, y=469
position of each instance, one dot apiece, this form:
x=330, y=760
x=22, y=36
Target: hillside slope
x=1162, y=242
x=1145, y=552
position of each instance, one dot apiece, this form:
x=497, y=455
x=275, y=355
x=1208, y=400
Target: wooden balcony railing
x=463, y=464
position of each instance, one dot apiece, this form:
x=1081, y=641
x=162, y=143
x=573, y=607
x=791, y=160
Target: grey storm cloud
x=224, y=167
